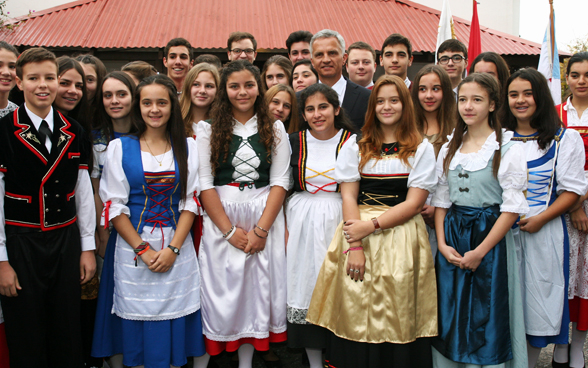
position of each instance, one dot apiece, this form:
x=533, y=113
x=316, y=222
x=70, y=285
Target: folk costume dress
x=197, y=225
x=578, y=282
x=243, y=296
x=314, y=211
x=544, y=255
x=158, y=313
x=383, y=321
x=480, y=313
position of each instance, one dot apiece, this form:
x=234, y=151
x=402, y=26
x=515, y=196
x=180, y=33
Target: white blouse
x=421, y=171
x=245, y=160
x=114, y=185
x=512, y=173
x=573, y=118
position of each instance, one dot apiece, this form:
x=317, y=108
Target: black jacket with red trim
x=40, y=185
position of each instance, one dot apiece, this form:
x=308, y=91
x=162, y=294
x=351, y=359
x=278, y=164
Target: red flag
x=475, y=45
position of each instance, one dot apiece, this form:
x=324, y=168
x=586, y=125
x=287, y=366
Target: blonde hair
x=186, y=97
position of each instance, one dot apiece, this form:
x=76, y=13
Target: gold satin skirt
x=397, y=300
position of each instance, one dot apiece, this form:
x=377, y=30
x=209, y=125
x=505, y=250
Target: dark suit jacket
x=355, y=103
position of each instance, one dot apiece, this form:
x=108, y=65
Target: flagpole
x=552, y=28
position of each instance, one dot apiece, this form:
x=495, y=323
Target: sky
x=571, y=20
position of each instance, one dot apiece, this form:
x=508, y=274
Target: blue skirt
x=473, y=306
x=154, y=344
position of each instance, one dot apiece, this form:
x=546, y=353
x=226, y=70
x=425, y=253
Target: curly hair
x=407, y=132
x=223, y=120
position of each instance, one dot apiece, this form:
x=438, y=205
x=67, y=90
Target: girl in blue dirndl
x=150, y=188
x=478, y=199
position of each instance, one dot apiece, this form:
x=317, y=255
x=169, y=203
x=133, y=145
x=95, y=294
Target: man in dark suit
x=327, y=49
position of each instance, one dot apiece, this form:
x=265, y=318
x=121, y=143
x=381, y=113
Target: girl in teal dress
x=478, y=199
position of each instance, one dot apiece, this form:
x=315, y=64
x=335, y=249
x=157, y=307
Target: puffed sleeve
x=99, y=156
x=347, y=166
x=441, y=197
x=193, y=185
x=280, y=169
x=570, y=164
x=114, y=187
x=203, y=142
x=423, y=174
x=512, y=177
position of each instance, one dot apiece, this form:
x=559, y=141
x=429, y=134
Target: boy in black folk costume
x=47, y=222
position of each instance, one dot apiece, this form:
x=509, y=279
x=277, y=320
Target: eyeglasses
x=456, y=59
x=240, y=51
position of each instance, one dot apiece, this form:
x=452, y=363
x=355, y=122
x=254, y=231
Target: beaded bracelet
x=352, y=248
x=229, y=232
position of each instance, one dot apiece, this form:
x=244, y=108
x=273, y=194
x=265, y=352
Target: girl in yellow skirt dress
x=385, y=319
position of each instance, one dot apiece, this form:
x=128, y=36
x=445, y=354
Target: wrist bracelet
x=262, y=229
x=231, y=233
x=352, y=248
x=259, y=236
x=141, y=249
x=377, y=228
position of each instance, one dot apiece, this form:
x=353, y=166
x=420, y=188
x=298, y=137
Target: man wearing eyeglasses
x=453, y=57
x=242, y=45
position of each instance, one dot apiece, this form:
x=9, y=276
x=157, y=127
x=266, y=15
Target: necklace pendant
x=160, y=164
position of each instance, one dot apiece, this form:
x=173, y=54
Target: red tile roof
x=207, y=24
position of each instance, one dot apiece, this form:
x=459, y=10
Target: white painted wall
x=501, y=15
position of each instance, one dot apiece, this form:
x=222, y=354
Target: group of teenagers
x=229, y=208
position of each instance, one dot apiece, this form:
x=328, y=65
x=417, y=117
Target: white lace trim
x=159, y=317
x=476, y=161
x=514, y=209
x=441, y=204
x=297, y=316
x=244, y=335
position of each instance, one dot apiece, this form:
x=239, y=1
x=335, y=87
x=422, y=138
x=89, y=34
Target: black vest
x=40, y=186
x=300, y=155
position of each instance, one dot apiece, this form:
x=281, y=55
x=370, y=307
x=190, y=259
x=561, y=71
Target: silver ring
x=356, y=271
x=345, y=233
x=352, y=270
x=347, y=236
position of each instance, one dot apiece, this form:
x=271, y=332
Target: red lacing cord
x=161, y=214
x=321, y=187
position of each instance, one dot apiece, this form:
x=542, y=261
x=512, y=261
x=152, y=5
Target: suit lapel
x=27, y=133
x=350, y=96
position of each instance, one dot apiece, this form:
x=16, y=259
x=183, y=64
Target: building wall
x=502, y=15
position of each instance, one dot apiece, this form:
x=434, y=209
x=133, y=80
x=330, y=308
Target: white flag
x=445, y=30
x=549, y=61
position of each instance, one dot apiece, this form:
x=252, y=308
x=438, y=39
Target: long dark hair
x=498, y=61
x=221, y=115
x=446, y=114
x=102, y=119
x=174, y=127
x=490, y=85
x=341, y=120
x=545, y=119
x=80, y=112
x=407, y=133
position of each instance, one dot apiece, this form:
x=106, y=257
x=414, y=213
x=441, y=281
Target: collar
x=369, y=85
x=36, y=120
x=340, y=88
x=407, y=82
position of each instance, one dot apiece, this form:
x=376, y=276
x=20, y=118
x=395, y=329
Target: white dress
x=313, y=215
x=243, y=296
x=140, y=294
x=541, y=254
